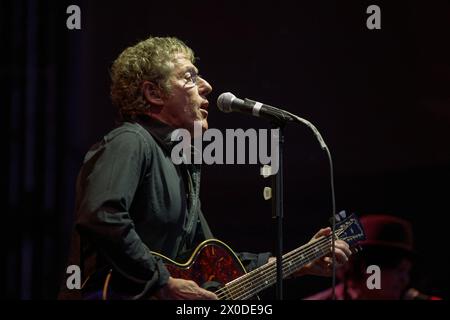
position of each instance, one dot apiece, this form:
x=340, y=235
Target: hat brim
x=401, y=249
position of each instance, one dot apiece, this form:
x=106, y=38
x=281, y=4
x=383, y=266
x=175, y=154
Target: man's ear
x=153, y=93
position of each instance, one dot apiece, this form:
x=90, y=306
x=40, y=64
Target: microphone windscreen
x=224, y=101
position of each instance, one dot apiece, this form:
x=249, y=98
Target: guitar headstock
x=349, y=229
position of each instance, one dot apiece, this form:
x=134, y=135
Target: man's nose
x=204, y=87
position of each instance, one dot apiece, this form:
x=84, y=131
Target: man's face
x=186, y=102
x=394, y=281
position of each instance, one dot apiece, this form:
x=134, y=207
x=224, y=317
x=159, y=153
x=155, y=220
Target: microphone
x=228, y=102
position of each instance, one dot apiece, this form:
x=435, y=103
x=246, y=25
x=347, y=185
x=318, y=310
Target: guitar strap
x=192, y=175
x=206, y=231
x=193, y=198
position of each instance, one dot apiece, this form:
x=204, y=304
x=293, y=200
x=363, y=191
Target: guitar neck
x=263, y=277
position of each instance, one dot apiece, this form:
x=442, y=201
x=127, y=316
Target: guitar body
x=211, y=266
x=215, y=267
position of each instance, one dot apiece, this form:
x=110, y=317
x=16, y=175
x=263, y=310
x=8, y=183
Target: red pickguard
x=211, y=266
x=212, y=262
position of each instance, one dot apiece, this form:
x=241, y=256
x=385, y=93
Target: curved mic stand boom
x=277, y=200
x=333, y=197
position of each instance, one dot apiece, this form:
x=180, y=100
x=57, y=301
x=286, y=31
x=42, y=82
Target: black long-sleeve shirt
x=132, y=199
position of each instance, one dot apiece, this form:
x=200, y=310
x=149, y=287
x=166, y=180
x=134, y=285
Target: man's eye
x=191, y=77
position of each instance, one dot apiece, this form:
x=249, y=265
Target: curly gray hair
x=149, y=60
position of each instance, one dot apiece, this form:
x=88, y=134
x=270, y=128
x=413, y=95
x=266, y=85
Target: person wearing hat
x=388, y=246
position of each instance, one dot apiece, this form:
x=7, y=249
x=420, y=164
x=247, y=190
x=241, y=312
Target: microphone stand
x=279, y=119
x=277, y=211
x=277, y=199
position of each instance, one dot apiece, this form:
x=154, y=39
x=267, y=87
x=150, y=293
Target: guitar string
x=270, y=280
x=308, y=251
x=257, y=273
x=271, y=276
x=267, y=272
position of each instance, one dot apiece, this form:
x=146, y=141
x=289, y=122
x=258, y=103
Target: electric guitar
x=215, y=267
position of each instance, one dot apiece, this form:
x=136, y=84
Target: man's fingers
x=202, y=293
x=208, y=295
x=344, y=247
x=327, y=260
x=322, y=232
x=341, y=257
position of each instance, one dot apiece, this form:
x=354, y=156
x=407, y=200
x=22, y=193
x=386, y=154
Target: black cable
x=333, y=225
x=333, y=197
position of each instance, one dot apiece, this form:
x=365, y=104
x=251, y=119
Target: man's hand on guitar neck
x=180, y=289
x=323, y=266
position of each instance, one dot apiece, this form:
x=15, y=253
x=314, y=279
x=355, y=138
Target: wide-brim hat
x=390, y=232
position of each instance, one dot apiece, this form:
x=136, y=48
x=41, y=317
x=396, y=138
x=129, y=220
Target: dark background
x=380, y=98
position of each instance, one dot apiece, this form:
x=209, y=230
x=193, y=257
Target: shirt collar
x=164, y=133
x=161, y=132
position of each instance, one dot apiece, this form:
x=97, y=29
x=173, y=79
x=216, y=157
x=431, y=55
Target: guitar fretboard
x=248, y=285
